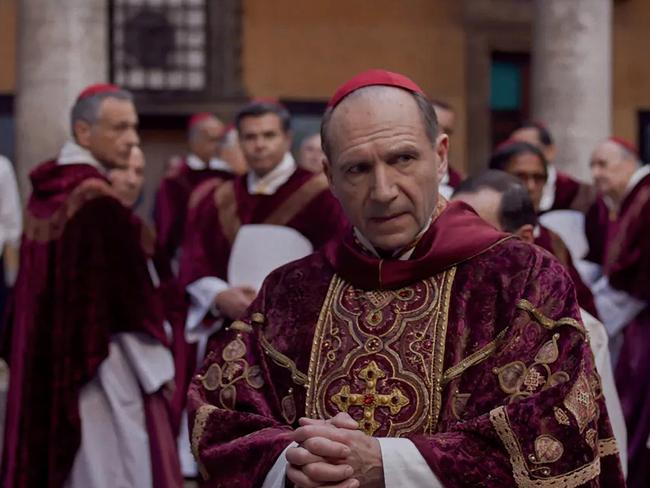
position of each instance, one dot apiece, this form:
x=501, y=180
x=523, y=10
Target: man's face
x=263, y=142
x=111, y=138
x=206, y=139
x=128, y=181
x=446, y=120
x=530, y=170
x=487, y=204
x=384, y=169
x=531, y=136
x=611, y=170
x=311, y=154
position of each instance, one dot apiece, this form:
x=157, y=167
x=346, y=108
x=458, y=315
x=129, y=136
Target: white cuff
x=615, y=307
x=404, y=465
x=202, y=294
x=276, y=475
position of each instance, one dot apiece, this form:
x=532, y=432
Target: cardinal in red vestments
x=85, y=339
x=623, y=293
x=205, y=134
x=528, y=163
x=421, y=348
x=275, y=192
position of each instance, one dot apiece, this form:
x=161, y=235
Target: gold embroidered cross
x=370, y=399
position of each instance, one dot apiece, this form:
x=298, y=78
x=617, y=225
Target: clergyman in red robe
x=623, y=293
x=423, y=348
x=274, y=192
x=561, y=190
x=205, y=133
x=447, y=122
x=528, y=163
x=85, y=339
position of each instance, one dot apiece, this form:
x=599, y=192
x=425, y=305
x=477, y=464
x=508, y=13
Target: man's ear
x=525, y=233
x=442, y=150
x=81, y=132
x=327, y=169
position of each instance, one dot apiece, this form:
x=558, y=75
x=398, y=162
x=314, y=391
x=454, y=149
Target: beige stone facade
x=302, y=50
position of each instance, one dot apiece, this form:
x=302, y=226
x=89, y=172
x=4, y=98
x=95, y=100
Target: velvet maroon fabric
x=572, y=194
x=83, y=277
x=628, y=268
x=597, y=228
x=439, y=248
x=206, y=250
x=237, y=446
x=171, y=204
x=554, y=244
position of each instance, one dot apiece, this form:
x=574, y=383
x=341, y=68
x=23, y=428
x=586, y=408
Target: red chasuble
x=472, y=349
x=172, y=201
x=572, y=194
x=83, y=277
x=554, y=244
x=304, y=203
x=627, y=266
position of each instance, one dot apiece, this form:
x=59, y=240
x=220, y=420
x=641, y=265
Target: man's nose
x=132, y=137
x=384, y=188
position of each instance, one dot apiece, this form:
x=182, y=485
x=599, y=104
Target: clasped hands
x=334, y=454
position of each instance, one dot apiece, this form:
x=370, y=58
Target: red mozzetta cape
x=572, y=194
x=83, y=277
x=172, y=201
x=472, y=349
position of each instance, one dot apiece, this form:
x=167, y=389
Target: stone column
x=62, y=47
x=572, y=76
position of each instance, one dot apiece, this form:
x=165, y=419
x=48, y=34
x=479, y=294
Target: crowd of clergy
x=357, y=314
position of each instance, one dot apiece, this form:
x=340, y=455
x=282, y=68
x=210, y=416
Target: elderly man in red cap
x=623, y=293
x=205, y=133
x=85, y=339
x=422, y=348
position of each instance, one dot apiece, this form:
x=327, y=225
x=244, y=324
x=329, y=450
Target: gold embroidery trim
x=200, y=421
x=298, y=201
x=298, y=377
x=474, y=358
x=226, y=203
x=607, y=447
x=313, y=358
x=521, y=474
x=439, y=354
x=547, y=322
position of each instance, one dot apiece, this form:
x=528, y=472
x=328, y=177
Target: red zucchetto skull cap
x=624, y=143
x=373, y=77
x=198, y=118
x=97, y=88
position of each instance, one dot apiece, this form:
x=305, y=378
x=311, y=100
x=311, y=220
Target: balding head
x=612, y=167
x=204, y=137
x=384, y=161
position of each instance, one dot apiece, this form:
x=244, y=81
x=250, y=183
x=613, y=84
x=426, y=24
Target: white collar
x=638, y=175
x=401, y=257
x=548, y=193
x=73, y=153
x=274, y=179
x=197, y=164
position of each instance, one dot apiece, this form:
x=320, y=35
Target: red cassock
x=303, y=203
x=83, y=277
x=627, y=265
x=472, y=349
x=455, y=178
x=572, y=194
x=554, y=244
x=172, y=201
